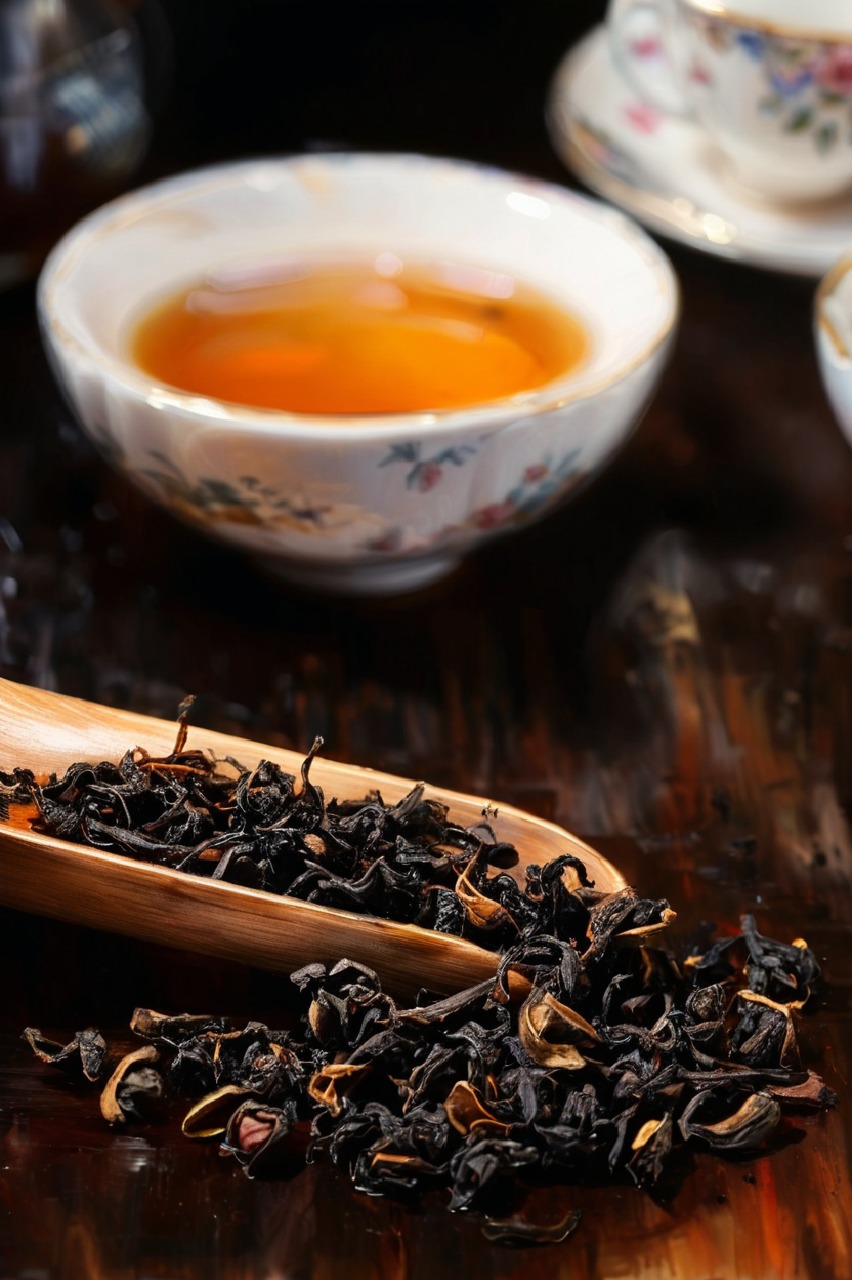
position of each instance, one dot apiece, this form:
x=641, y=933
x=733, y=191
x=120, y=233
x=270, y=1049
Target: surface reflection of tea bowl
x=359, y=502
x=833, y=335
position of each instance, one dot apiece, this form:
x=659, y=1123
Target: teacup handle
x=656, y=83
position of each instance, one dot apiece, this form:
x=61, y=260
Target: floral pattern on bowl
x=540, y=486
x=249, y=501
x=247, y=505
x=423, y=473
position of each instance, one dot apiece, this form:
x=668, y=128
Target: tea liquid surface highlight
x=358, y=337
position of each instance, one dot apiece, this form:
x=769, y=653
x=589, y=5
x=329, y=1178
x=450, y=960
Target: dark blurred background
x=459, y=77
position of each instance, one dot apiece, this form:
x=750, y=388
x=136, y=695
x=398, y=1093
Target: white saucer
x=661, y=170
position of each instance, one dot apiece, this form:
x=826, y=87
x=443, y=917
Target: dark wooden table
x=665, y=667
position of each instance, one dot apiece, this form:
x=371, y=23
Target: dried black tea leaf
x=552, y=1034
x=651, y=1149
x=209, y=1117
x=134, y=1088
x=85, y=1053
x=330, y=1086
x=745, y=1127
x=259, y=1135
x=467, y=1112
x=810, y=1094
x=483, y=1162
x=171, y=1028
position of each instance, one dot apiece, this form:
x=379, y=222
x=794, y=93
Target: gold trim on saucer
x=826, y=289
x=720, y=9
x=667, y=214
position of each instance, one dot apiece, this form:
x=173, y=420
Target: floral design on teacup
x=425, y=472
x=539, y=485
x=246, y=501
x=648, y=49
x=539, y=482
x=807, y=83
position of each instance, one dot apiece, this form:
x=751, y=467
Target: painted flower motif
x=789, y=81
x=494, y=515
x=699, y=74
x=246, y=501
x=535, y=473
x=424, y=473
x=642, y=118
x=426, y=476
x=646, y=47
x=753, y=44
x=833, y=71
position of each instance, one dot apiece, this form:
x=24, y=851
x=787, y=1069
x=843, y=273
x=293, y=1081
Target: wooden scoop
x=46, y=732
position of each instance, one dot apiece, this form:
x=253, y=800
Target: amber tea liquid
x=358, y=337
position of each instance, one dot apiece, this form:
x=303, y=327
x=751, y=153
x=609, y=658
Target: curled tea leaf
x=259, y=1136
x=482, y=911
x=651, y=1149
x=642, y=935
x=133, y=1084
x=86, y=1052
x=778, y=969
x=484, y=1160
x=172, y=1028
x=811, y=1093
x=744, y=1128
x=385, y=1172
x=466, y=1111
x=765, y=1034
x=550, y=1032
x=333, y=1082
x=327, y=1016
x=210, y=1115
x=441, y=1012
x=623, y=919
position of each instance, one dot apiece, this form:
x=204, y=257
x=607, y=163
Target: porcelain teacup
x=370, y=502
x=833, y=338
x=769, y=82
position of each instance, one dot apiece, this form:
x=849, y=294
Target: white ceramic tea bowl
x=833, y=337
x=357, y=503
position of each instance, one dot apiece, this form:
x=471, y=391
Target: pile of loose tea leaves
x=592, y=1053
x=613, y=1060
